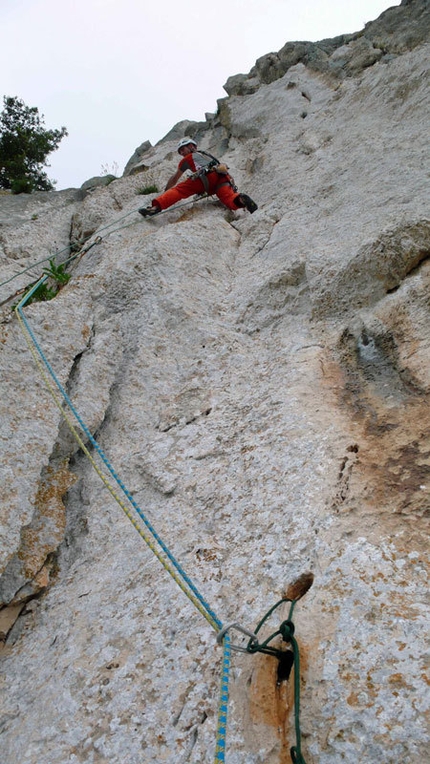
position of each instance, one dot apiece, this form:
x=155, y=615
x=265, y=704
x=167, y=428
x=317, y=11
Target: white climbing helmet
x=185, y=142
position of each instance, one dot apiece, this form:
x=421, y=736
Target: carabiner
x=253, y=637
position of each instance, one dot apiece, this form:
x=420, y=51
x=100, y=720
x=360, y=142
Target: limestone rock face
x=99, y=180
x=259, y=385
x=397, y=30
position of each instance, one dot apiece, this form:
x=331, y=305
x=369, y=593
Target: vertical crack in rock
x=32, y=568
x=53, y=526
x=77, y=504
x=8, y=617
x=66, y=444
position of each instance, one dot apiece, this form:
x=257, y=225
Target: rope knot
x=286, y=630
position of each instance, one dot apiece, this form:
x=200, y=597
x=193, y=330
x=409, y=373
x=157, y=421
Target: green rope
x=286, y=631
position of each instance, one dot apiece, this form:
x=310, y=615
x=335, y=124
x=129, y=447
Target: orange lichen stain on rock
x=46, y=530
x=406, y=611
x=399, y=463
x=352, y=699
x=399, y=681
x=272, y=702
x=263, y=698
x=41, y=578
x=86, y=332
x=350, y=677
x=187, y=215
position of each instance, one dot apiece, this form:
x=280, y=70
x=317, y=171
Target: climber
x=208, y=176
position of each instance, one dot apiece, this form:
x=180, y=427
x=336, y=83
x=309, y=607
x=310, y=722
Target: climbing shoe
x=247, y=202
x=149, y=211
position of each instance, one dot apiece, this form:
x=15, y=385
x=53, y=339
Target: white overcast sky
x=119, y=72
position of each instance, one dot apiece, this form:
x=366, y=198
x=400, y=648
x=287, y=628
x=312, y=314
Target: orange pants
x=218, y=184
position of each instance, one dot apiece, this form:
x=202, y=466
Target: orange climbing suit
x=212, y=183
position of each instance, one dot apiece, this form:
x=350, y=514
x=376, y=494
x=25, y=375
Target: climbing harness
x=224, y=178
x=214, y=166
x=151, y=537
x=202, y=175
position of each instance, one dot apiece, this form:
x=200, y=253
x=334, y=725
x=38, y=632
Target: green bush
x=47, y=290
x=57, y=273
x=148, y=189
x=42, y=293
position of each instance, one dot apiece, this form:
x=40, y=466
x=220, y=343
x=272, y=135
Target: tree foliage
x=24, y=147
